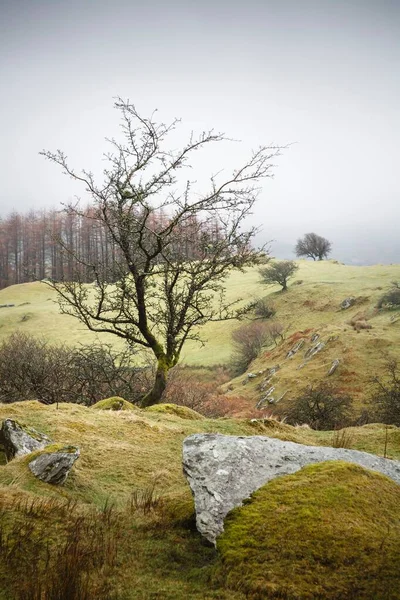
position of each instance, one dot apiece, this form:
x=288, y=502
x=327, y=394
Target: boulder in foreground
x=222, y=471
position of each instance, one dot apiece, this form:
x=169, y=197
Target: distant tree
x=321, y=407
x=155, y=295
x=385, y=398
x=279, y=272
x=314, y=246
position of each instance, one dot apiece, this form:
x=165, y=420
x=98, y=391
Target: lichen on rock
x=19, y=440
x=223, y=471
x=54, y=464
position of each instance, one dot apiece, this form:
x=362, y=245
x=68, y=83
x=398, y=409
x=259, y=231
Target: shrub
x=99, y=372
x=31, y=368
x=193, y=389
x=321, y=407
x=391, y=298
x=275, y=330
x=385, y=397
x=231, y=406
x=263, y=309
x=247, y=343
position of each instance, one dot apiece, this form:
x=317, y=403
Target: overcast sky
x=321, y=74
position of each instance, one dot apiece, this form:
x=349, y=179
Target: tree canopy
x=173, y=246
x=313, y=246
x=279, y=271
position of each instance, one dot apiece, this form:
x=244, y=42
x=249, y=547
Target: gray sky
x=321, y=73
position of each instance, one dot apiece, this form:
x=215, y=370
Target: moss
x=330, y=531
x=36, y=435
x=126, y=450
x=50, y=449
x=114, y=403
x=179, y=411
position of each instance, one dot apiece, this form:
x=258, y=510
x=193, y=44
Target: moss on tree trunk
x=160, y=383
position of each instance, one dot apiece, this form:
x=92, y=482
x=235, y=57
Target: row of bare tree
x=47, y=243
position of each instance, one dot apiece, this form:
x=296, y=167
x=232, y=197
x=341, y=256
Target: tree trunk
x=160, y=383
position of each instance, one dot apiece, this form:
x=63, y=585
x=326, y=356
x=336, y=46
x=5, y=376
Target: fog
x=321, y=76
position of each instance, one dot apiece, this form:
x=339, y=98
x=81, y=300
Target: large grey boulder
x=222, y=471
x=54, y=467
x=18, y=440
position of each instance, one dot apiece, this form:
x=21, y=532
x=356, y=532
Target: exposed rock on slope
x=224, y=470
x=54, y=467
x=18, y=440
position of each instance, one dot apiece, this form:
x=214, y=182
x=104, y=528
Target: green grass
x=312, y=307
x=125, y=455
x=323, y=533
x=134, y=453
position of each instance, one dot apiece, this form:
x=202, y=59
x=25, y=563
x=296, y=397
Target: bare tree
x=314, y=246
x=154, y=295
x=279, y=271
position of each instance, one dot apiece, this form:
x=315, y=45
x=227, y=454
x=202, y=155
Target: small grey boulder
x=334, y=366
x=19, y=440
x=347, y=303
x=54, y=467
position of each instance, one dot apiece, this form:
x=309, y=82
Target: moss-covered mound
x=114, y=403
x=178, y=411
x=330, y=531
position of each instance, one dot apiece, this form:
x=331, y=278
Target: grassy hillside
x=126, y=505
x=313, y=307
x=311, y=312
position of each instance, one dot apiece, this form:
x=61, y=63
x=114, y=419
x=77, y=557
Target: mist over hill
x=361, y=248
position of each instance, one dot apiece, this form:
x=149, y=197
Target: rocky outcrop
x=334, y=366
x=54, y=467
x=18, y=440
x=347, y=303
x=314, y=350
x=298, y=346
x=222, y=471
